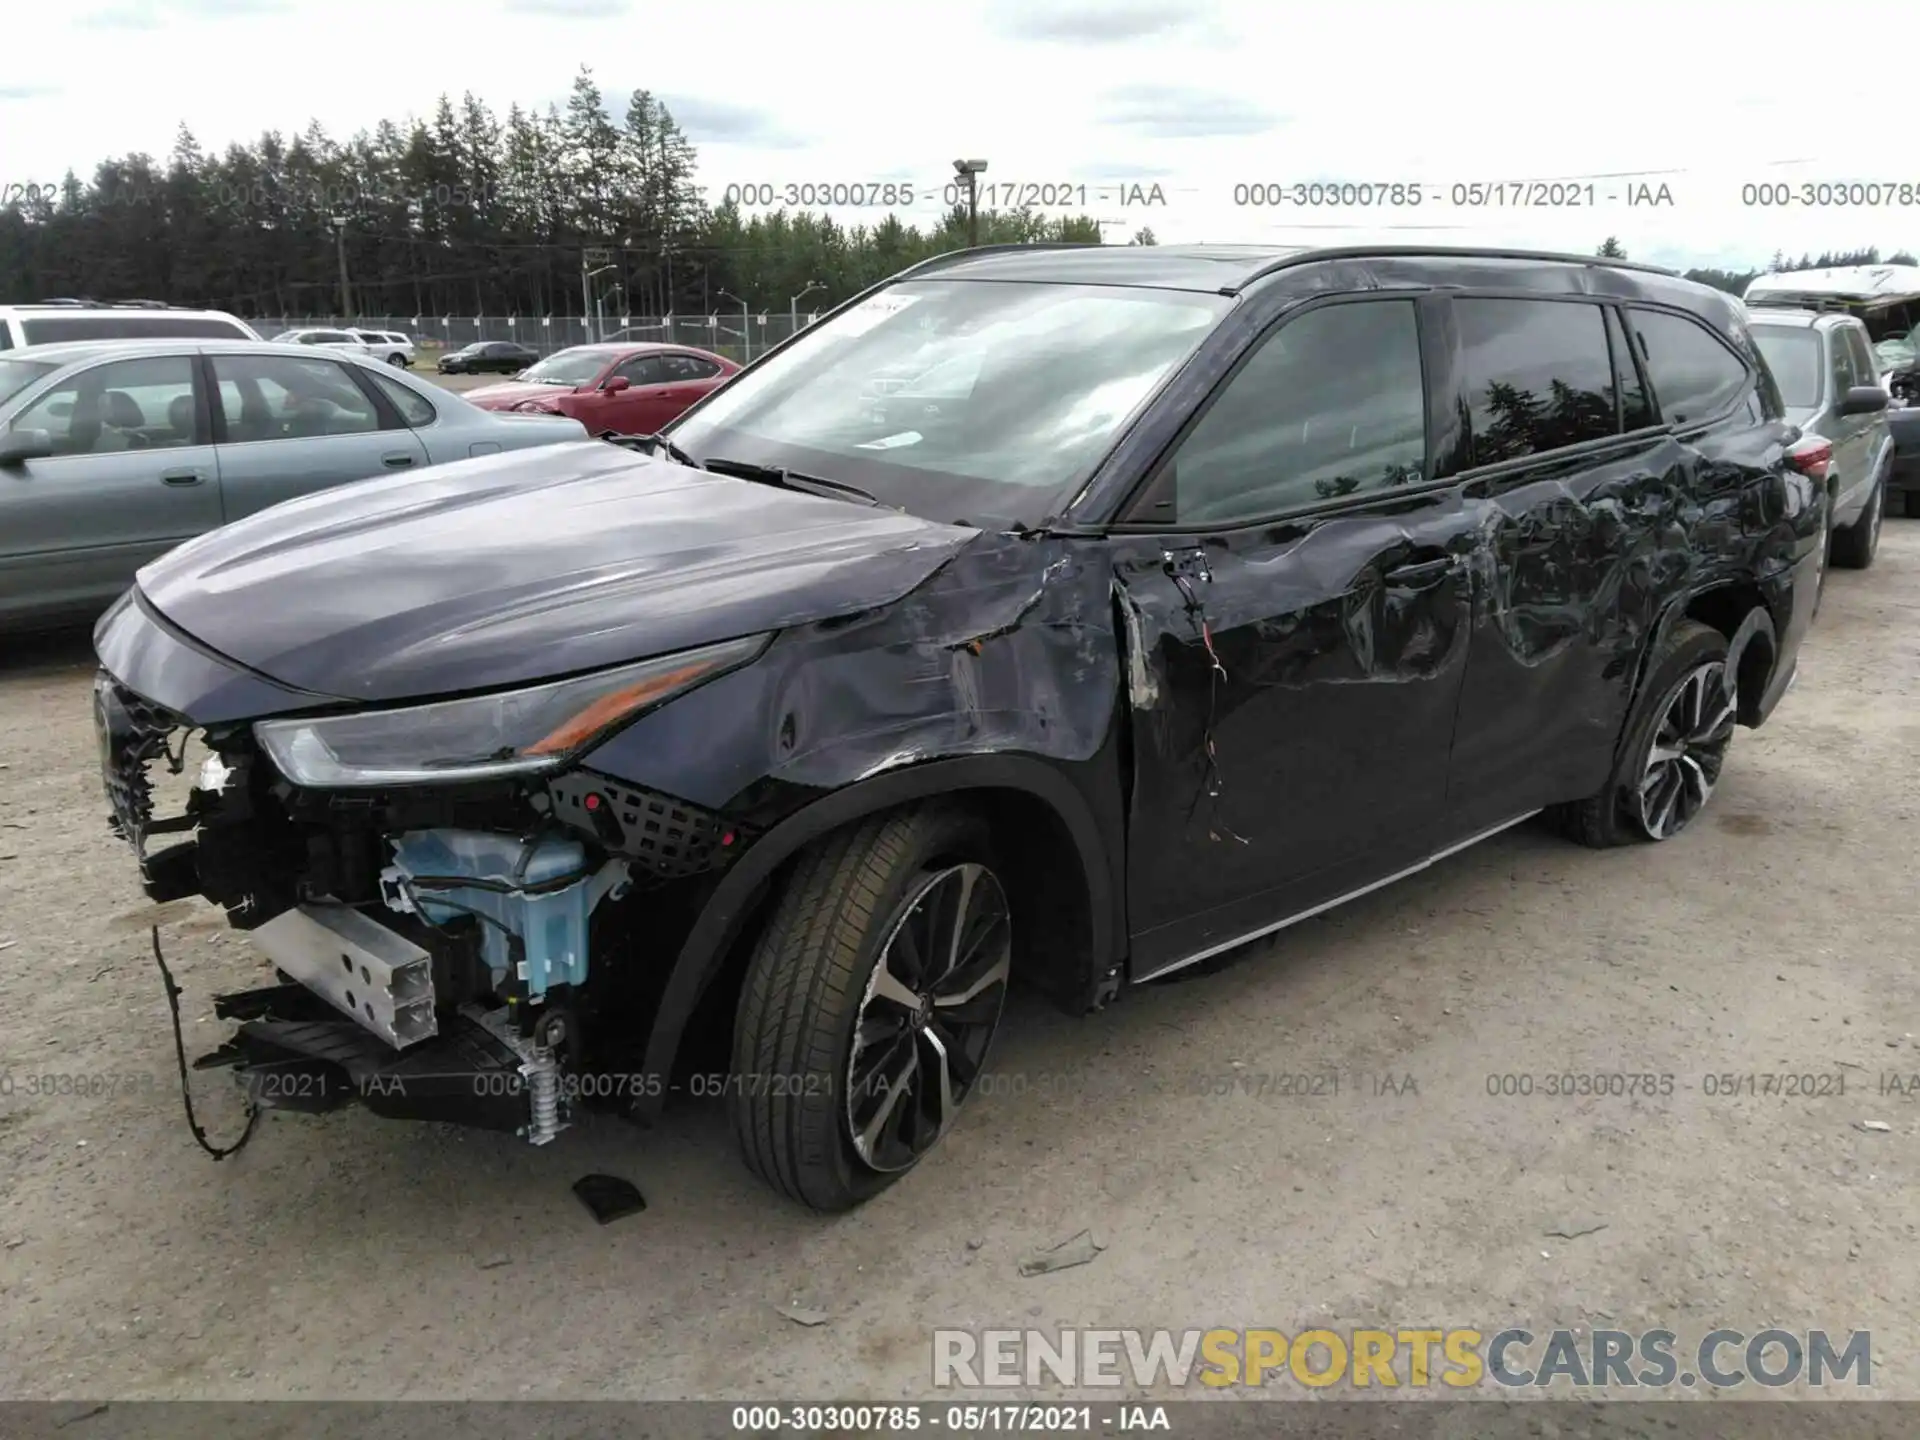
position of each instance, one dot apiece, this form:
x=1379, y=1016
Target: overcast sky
x=1196, y=96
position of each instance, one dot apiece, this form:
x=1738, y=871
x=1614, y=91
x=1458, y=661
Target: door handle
x=1423, y=574
x=396, y=461
x=181, y=477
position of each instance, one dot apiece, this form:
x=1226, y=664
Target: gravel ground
x=345, y=1256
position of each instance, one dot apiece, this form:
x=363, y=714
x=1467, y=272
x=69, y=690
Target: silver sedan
x=113, y=452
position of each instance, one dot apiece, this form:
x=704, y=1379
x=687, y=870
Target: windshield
x=16, y=375
x=1794, y=357
x=958, y=399
x=567, y=367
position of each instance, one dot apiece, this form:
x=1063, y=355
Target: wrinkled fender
x=705, y=949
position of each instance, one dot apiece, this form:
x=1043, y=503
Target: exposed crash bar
x=358, y=966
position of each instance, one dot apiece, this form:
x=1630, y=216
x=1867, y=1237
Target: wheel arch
x=1738, y=609
x=1031, y=807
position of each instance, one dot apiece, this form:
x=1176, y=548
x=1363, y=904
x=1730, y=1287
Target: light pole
x=339, y=223
x=588, y=305
x=746, y=323
x=793, y=307
x=971, y=171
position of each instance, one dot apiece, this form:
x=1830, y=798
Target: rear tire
x=1855, y=546
x=1675, y=745
x=863, y=1023
x=1912, y=504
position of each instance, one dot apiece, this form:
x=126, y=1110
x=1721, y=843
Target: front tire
x=1855, y=546
x=1676, y=744
x=869, y=1005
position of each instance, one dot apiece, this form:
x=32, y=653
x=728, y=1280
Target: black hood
x=515, y=568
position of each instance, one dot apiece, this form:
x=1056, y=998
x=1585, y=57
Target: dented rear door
x=1592, y=521
x=1293, y=679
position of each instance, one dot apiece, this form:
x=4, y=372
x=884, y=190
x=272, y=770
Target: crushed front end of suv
x=1055, y=615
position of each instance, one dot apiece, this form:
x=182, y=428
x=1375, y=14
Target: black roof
x=1219, y=268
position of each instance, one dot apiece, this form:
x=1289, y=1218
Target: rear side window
x=59, y=330
x=414, y=407
x=1695, y=376
x=6, y=336
x=285, y=397
x=1539, y=376
x=1331, y=404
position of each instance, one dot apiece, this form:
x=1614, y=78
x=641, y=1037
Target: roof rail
x=1465, y=252
x=953, y=257
x=1802, y=300
x=87, y=302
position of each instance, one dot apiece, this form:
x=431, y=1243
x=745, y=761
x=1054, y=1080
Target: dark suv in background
x=1065, y=614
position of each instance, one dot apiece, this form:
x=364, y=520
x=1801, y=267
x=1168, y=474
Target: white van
x=60, y=322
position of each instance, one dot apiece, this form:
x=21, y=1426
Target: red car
x=633, y=389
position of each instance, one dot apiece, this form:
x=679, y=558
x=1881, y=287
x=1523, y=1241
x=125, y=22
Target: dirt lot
x=346, y=1256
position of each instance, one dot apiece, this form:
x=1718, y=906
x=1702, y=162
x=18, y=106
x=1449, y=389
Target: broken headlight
x=513, y=732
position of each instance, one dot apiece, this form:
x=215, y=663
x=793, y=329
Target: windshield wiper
x=792, y=480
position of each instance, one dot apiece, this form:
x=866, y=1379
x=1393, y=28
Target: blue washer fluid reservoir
x=552, y=924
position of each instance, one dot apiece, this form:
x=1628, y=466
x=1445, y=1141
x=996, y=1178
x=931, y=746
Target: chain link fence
x=735, y=335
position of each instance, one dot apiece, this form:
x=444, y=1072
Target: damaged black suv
x=1065, y=614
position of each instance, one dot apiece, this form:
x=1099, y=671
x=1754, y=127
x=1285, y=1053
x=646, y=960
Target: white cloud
x=1194, y=97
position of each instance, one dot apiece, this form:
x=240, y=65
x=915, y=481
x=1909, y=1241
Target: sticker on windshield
x=892, y=442
x=869, y=313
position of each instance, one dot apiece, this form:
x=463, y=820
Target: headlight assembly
x=514, y=732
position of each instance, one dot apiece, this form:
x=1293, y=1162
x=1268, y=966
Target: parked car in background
x=488, y=357
x=1831, y=387
x=632, y=389
x=1886, y=300
x=61, y=322
x=111, y=453
x=1235, y=582
x=347, y=341
x=388, y=345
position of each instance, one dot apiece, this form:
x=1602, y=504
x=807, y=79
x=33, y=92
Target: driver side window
x=1331, y=404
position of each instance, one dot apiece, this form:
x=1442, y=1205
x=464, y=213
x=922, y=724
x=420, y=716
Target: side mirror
x=19, y=446
x=1864, y=400
x=616, y=383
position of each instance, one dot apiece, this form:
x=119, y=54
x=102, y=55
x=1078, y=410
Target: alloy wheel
x=928, y=1015
x=1688, y=748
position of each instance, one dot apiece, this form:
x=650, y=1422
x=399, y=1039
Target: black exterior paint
x=1402, y=671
